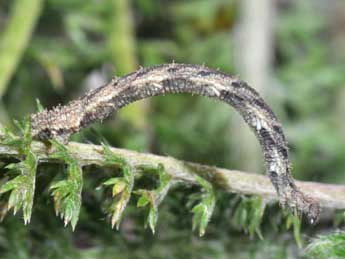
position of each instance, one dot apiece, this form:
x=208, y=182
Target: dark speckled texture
x=63, y=121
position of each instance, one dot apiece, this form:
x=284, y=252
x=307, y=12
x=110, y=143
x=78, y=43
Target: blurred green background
x=292, y=52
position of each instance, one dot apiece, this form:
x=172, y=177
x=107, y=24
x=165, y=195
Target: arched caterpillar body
x=62, y=121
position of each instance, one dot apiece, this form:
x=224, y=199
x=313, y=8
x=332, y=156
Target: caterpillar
x=62, y=121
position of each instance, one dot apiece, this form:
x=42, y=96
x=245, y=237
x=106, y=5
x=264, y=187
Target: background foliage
x=78, y=45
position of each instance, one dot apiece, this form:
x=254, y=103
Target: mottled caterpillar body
x=62, y=121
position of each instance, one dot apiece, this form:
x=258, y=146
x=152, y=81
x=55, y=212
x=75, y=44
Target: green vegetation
x=22, y=186
x=327, y=246
x=58, y=49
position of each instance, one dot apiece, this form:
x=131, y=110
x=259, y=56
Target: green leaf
x=12, y=184
x=204, y=210
x=118, y=188
x=248, y=215
x=122, y=186
x=197, y=210
x=143, y=201
x=164, y=179
x=152, y=218
x=295, y=222
x=39, y=106
x=112, y=181
x=204, y=184
x=22, y=187
x=127, y=174
x=67, y=193
x=147, y=198
x=118, y=206
x=153, y=198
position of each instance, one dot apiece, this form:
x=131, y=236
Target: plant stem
x=329, y=195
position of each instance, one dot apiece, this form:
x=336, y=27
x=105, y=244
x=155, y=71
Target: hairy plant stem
x=329, y=195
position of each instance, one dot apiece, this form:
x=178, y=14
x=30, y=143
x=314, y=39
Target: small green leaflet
x=248, y=215
x=22, y=187
x=121, y=186
x=204, y=209
x=67, y=193
x=153, y=198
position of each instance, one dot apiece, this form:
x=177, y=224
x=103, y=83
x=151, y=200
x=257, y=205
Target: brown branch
x=329, y=195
